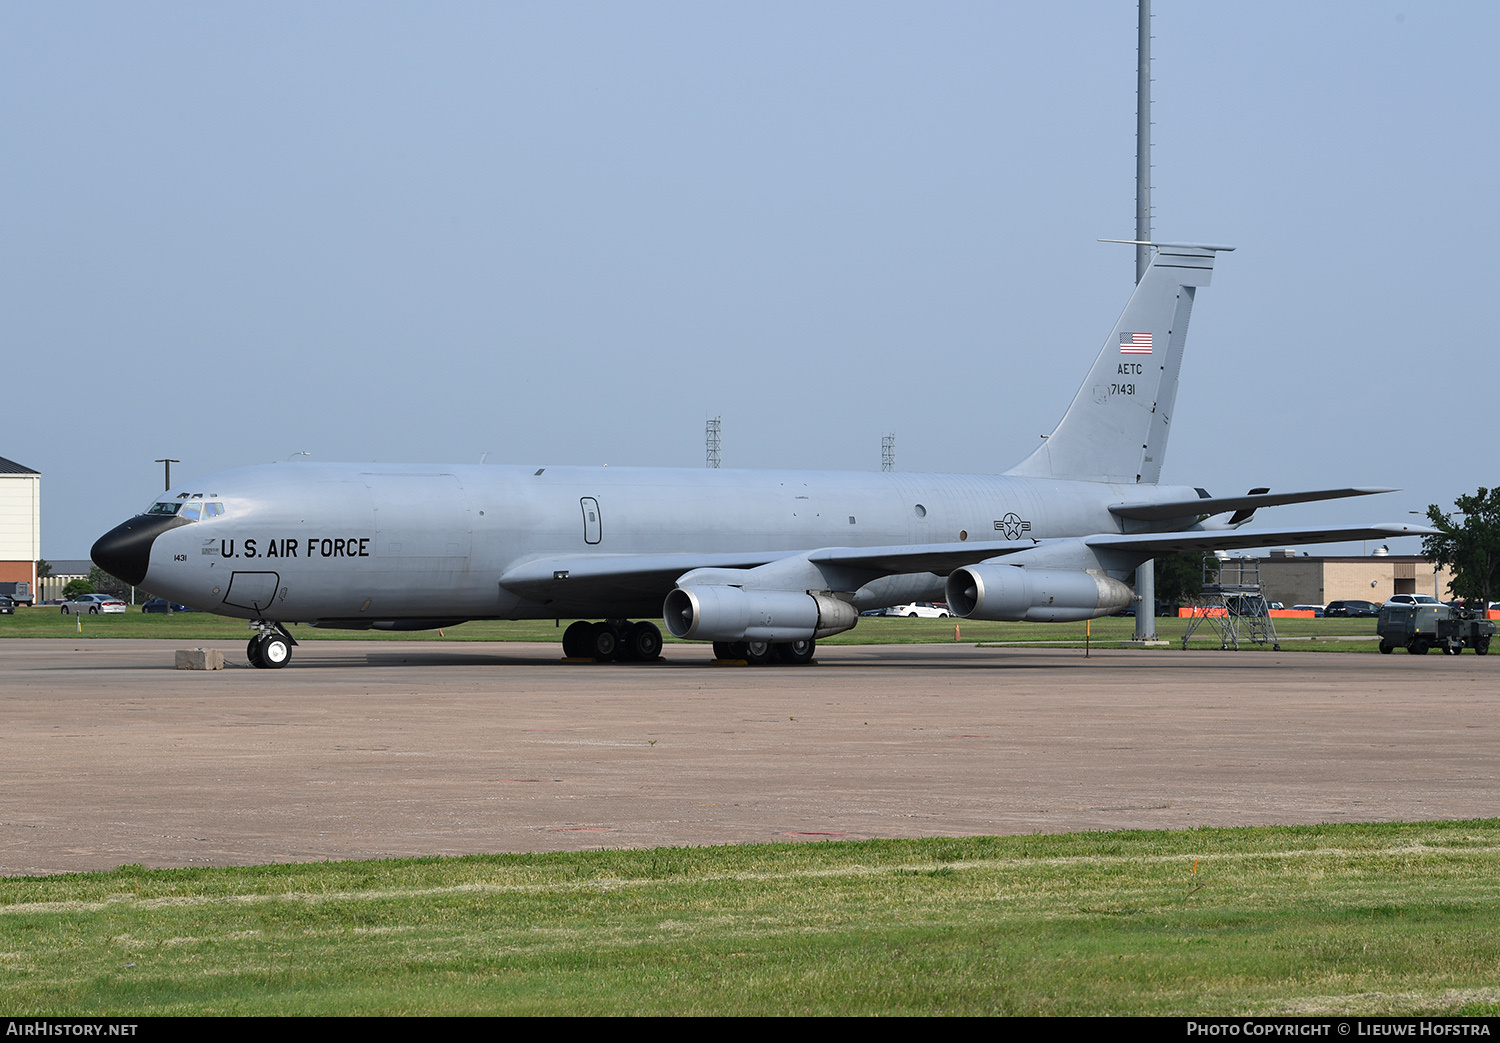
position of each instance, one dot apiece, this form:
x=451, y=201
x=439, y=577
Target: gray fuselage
x=351, y=544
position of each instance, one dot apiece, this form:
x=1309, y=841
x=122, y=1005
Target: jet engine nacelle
x=721, y=613
x=1005, y=592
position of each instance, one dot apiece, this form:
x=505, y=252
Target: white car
x=922, y=609
x=1413, y=599
x=92, y=605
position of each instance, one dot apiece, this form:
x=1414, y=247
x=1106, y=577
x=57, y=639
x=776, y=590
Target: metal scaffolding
x=1234, y=602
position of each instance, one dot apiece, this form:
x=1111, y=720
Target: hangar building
x=20, y=522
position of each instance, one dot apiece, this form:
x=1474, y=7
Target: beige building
x=1294, y=579
x=20, y=522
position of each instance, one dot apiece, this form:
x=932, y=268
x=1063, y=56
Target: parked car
x=92, y=605
x=1412, y=599
x=160, y=605
x=1163, y=608
x=7, y=606
x=922, y=609
x=1364, y=609
x=1316, y=610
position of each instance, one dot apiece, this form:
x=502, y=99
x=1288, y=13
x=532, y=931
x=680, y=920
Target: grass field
x=1371, y=919
x=1319, y=634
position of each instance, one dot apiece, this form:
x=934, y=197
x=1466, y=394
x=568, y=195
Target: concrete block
x=200, y=659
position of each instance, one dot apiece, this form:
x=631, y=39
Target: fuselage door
x=252, y=590
x=592, y=526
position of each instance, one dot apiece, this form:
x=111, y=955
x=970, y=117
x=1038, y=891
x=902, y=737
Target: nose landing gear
x=271, y=648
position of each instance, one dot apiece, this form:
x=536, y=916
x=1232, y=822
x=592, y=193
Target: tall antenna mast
x=1145, y=576
x=1143, y=141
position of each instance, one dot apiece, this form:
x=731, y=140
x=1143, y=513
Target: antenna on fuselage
x=169, y=464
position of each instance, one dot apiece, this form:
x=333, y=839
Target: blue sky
x=570, y=232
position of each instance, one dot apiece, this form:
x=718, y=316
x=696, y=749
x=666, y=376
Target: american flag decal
x=1135, y=344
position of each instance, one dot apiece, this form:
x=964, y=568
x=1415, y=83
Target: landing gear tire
x=643, y=643
x=576, y=640
x=603, y=642
x=269, y=651
x=725, y=650
x=795, y=653
x=275, y=652
x=1386, y=648
x=758, y=653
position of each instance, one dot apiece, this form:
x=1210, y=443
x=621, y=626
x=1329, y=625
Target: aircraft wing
x=939, y=558
x=1220, y=504
x=620, y=574
x=624, y=575
x=1244, y=539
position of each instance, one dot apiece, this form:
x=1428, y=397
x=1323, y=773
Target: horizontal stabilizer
x=1244, y=539
x=1220, y=504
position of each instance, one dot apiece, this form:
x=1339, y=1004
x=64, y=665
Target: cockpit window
x=193, y=511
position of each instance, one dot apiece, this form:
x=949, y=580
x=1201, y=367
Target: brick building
x=1294, y=579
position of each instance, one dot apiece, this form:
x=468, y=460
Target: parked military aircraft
x=762, y=563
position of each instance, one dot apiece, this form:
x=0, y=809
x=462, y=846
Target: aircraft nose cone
x=125, y=551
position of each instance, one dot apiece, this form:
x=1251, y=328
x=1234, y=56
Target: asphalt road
x=109, y=755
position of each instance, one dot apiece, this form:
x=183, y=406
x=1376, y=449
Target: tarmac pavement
x=364, y=749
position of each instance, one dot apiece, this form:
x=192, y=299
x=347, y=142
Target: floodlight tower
x=711, y=441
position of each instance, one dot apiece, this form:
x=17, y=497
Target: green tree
x=1471, y=547
x=1179, y=577
x=43, y=568
x=76, y=587
x=104, y=583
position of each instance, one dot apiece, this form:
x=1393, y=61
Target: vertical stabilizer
x=1116, y=429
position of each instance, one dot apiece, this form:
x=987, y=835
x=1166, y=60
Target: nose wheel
x=271, y=649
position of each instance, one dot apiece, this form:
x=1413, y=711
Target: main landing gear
x=759, y=653
x=271, y=648
x=613, y=640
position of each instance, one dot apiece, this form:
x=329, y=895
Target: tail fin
x=1116, y=429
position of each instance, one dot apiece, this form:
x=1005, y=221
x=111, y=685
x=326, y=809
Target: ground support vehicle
x=19, y=592
x=1420, y=628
